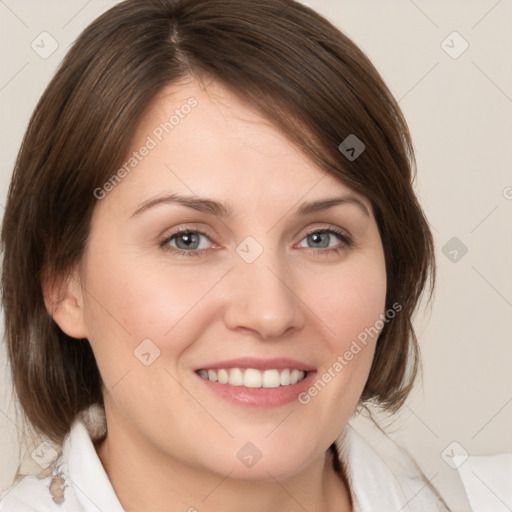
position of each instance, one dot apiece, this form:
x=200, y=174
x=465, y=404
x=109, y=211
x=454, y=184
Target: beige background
x=460, y=114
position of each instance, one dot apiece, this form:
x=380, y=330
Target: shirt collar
x=372, y=485
x=92, y=486
x=381, y=474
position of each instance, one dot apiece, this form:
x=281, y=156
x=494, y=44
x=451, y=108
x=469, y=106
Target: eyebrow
x=206, y=205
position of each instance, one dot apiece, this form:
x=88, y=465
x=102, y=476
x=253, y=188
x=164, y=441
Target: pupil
x=188, y=238
x=317, y=238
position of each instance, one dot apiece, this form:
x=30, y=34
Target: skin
x=171, y=440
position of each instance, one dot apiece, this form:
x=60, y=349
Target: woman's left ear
x=63, y=298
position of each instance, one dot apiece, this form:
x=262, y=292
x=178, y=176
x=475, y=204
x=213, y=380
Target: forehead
x=205, y=141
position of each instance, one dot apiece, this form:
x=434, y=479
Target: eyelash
x=346, y=242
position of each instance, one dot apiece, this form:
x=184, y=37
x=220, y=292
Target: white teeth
x=294, y=376
x=271, y=379
x=252, y=378
x=223, y=376
x=284, y=378
x=236, y=377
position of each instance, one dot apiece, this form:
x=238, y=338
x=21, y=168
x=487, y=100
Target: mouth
x=252, y=377
x=263, y=383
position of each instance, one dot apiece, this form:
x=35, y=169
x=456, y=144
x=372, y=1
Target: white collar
x=90, y=481
x=381, y=474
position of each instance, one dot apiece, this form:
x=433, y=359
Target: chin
x=277, y=457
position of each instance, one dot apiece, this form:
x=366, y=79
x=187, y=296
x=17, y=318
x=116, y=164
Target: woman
x=171, y=322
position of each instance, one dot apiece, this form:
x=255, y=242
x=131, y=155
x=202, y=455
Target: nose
x=263, y=299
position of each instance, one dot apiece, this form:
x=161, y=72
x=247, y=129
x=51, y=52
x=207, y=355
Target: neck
x=145, y=479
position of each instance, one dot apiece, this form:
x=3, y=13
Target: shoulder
x=381, y=474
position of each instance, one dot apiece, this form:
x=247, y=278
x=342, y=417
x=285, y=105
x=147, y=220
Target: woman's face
x=261, y=294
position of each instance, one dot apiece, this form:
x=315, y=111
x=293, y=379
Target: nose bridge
x=263, y=299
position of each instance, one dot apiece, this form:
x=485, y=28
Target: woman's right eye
x=186, y=241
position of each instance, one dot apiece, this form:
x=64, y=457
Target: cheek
x=351, y=307
x=141, y=319
x=128, y=302
x=353, y=302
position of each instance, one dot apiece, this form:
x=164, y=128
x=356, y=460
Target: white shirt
x=392, y=485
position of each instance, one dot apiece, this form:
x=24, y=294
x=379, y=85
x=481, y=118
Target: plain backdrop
x=449, y=65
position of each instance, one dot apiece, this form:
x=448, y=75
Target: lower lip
x=260, y=397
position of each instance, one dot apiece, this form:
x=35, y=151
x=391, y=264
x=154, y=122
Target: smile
x=253, y=378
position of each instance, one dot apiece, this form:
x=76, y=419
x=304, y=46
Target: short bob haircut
x=278, y=56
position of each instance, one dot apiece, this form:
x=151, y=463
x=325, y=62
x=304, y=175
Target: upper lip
x=279, y=363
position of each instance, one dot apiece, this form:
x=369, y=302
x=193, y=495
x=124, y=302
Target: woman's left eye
x=323, y=236
x=188, y=242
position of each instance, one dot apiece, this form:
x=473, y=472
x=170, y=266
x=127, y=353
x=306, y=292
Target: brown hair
x=286, y=60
